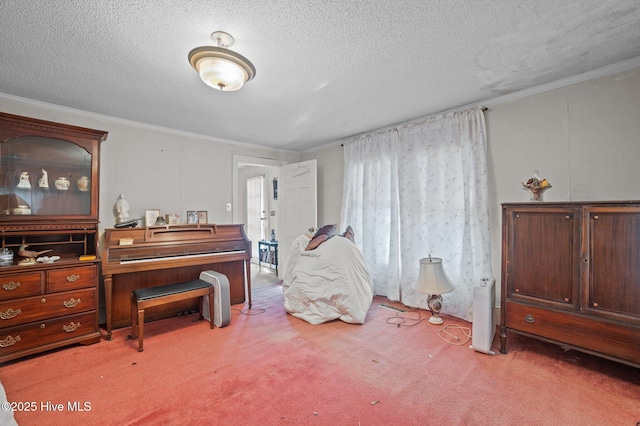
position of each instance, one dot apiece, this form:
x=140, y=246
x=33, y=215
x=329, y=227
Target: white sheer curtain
x=417, y=190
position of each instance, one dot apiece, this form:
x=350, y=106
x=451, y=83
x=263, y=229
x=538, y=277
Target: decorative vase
x=83, y=184
x=6, y=258
x=62, y=183
x=536, y=187
x=537, y=196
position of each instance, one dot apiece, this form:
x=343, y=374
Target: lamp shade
x=432, y=279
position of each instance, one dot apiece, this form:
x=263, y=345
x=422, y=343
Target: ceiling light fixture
x=219, y=67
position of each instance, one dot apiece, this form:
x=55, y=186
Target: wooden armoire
x=571, y=275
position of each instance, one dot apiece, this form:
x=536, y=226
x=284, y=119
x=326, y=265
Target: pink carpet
x=268, y=368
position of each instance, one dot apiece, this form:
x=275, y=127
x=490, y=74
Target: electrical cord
x=450, y=337
x=453, y=339
x=250, y=311
x=402, y=321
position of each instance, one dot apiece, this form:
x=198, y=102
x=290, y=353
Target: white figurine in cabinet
x=24, y=180
x=43, y=182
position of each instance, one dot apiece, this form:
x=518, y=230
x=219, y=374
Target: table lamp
x=433, y=281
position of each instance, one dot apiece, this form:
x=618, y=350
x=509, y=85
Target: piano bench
x=154, y=296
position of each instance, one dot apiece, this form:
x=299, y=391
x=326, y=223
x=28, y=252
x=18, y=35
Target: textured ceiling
x=326, y=69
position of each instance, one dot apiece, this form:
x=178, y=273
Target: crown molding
x=616, y=68
x=612, y=69
x=132, y=123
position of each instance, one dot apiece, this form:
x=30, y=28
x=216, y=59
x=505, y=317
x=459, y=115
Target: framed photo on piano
x=150, y=217
x=202, y=216
x=192, y=216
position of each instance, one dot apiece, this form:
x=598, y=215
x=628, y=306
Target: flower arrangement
x=536, y=186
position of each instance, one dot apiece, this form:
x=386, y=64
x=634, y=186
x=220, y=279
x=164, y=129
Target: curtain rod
x=415, y=120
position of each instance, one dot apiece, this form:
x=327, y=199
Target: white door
x=297, y=204
x=255, y=223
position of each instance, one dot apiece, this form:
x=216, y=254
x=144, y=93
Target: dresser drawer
x=20, y=311
x=14, y=339
x=576, y=329
x=20, y=285
x=71, y=278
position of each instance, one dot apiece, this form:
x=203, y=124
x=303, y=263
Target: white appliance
x=221, y=298
x=484, y=326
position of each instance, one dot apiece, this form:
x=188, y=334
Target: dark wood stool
x=154, y=296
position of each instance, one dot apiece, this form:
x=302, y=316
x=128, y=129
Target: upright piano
x=135, y=258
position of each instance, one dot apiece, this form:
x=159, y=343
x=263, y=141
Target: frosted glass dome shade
x=221, y=74
x=221, y=68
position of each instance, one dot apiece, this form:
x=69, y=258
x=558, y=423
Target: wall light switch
x=228, y=207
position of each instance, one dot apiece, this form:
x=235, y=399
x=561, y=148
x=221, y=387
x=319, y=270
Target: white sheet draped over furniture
x=330, y=282
x=6, y=414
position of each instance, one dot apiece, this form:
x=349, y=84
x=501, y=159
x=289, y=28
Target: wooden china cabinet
x=49, y=182
x=571, y=275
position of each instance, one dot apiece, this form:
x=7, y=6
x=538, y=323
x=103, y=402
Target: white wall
x=584, y=138
x=155, y=168
x=330, y=163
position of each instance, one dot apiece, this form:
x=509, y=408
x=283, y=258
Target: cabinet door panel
x=614, y=252
x=543, y=264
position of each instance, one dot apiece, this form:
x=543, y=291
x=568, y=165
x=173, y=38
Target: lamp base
x=435, y=305
x=435, y=320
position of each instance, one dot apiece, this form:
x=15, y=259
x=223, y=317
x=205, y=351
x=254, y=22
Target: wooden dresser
x=571, y=276
x=49, y=176
x=45, y=309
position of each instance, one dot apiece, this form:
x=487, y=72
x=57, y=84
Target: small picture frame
x=192, y=216
x=150, y=216
x=172, y=219
x=202, y=216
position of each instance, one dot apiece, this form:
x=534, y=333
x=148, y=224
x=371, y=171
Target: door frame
x=239, y=160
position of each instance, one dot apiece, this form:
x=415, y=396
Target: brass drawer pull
x=71, y=327
x=73, y=278
x=71, y=303
x=530, y=319
x=10, y=313
x=42, y=326
x=9, y=341
x=11, y=285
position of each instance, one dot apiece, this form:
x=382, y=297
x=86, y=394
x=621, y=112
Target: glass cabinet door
x=49, y=173
x=43, y=176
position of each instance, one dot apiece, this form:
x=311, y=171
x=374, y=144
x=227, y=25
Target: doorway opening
x=263, y=219
x=256, y=213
